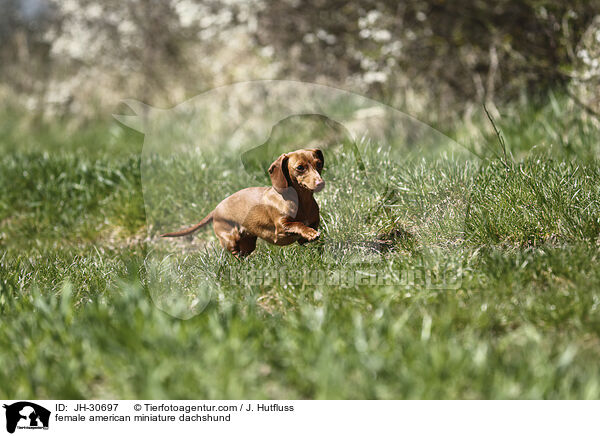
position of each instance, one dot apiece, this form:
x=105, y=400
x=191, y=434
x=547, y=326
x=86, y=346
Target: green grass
x=80, y=314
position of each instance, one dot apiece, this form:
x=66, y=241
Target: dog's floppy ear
x=279, y=173
x=319, y=154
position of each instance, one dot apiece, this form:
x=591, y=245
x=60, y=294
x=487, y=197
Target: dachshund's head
x=300, y=169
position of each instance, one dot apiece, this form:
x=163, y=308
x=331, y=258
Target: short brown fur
x=282, y=214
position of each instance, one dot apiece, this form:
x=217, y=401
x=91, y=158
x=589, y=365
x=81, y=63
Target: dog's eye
x=300, y=168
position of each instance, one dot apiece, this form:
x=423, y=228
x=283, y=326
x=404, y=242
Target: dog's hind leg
x=246, y=245
x=239, y=243
x=229, y=237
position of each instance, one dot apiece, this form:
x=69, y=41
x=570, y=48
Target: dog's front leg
x=289, y=227
x=315, y=226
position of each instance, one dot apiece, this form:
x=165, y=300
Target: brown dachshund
x=281, y=214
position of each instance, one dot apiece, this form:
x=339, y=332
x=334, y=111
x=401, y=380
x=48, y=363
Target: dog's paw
x=311, y=235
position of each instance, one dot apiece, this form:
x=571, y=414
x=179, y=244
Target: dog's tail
x=192, y=229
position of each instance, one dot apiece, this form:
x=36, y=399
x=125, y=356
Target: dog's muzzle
x=319, y=186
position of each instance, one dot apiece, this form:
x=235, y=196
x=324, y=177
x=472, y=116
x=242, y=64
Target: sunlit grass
x=524, y=322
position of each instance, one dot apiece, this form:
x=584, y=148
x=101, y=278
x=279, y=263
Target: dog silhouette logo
x=26, y=415
x=226, y=138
